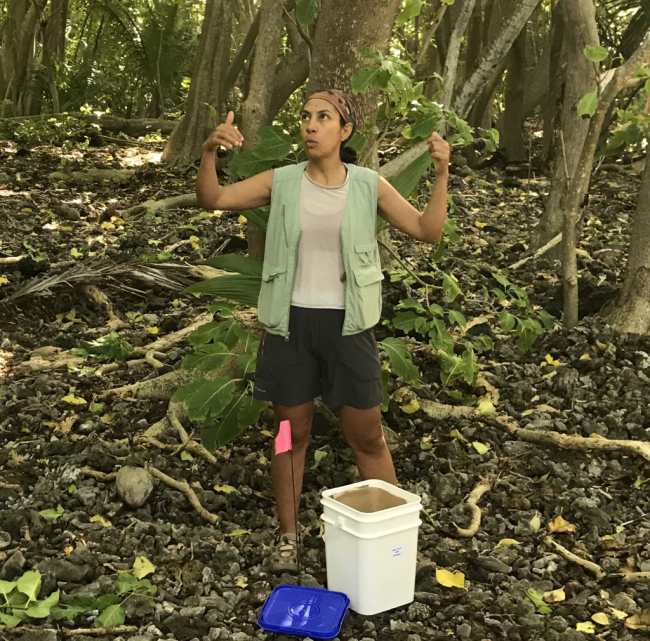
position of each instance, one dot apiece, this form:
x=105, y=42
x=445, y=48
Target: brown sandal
x=284, y=557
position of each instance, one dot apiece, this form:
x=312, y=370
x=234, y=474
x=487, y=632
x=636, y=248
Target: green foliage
x=588, y=105
x=536, y=597
x=62, y=131
x=306, y=12
x=224, y=405
x=411, y=9
x=111, y=347
x=236, y=263
x=110, y=606
x=19, y=600
x=596, y=54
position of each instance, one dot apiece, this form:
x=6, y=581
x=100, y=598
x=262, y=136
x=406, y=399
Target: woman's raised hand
x=225, y=135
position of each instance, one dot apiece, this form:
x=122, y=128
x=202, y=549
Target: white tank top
x=320, y=259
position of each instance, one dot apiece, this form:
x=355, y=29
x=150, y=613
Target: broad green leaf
x=371, y=54
x=536, y=597
x=142, y=566
x=30, y=584
x=588, y=104
x=596, y=54
x=400, y=360
x=440, y=338
x=547, y=319
x=306, y=12
x=250, y=410
x=468, y=365
x=411, y=303
x=246, y=164
x=78, y=606
x=5, y=588
x=450, y=287
x=372, y=77
x=407, y=321
x=405, y=181
x=8, y=620
x=207, y=358
x=258, y=217
x=274, y=145
x=450, y=229
x=423, y=127
x=247, y=363
x=123, y=584
x=501, y=279
x=42, y=608
x=358, y=142
x=239, y=288
x=319, y=455
x=507, y=320
x=458, y=318
x=211, y=398
x=111, y=617
x=205, y=333
x=236, y=263
x=412, y=8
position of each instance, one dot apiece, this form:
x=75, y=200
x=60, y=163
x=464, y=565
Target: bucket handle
x=340, y=524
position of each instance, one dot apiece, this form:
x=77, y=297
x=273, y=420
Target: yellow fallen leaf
x=226, y=489
x=600, y=617
x=450, y=579
x=535, y=523
x=638, y=621
x=554, y=596
x=152, y=330
x=480, y=447
x=241, y=583
x=594, y=435
x=639, y=482
x=581, y=252
x=619, y=614
x=458, y=435
x=75, y=252
x=480, y=225
x=4, y=280
x=142, y=566
x=107, y=226
x=486, y=407
x=64, y=426
x=242, y=219
x=549, y=361
x=196, y=243
x=561, y=525
x=74, y=400
x=68, y=550
x=238, y=532
x=527, y=412
x=546, y=408
x=506, y=542
x=266, y=433
x=411, y=407
x=585, y=357
x=107, y=419
x=587, y=627
x=98, y=518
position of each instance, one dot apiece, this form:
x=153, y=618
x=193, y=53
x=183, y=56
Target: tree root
x=100, y=476
x=174, y=202
x=12, y=486
x=189, y=444
x=106, y=369
x=99, y=298
x=485, y=485
x=164, y=343
x=71, y=633
x=184, y=487
x=635, y=577
x=570, y=556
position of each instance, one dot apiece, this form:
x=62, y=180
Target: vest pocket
x=367, y=254
x=367, y=298
x=269, y=306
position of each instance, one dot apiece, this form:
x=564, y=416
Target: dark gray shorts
x=318, y=360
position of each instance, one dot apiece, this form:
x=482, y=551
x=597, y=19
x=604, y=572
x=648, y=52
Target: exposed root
x=189, y=444
x=99, y=298
x=546, y=437
x=100, y=476
x=183, y=486
x=175, y=202
x=11, y=486
x=153, y=361
x=542, y=250
x=635, y=577
x=485, y=485
x=164, y=343
x=65, y=632
x=47, y=359
x=106, y=369
x=570, y=556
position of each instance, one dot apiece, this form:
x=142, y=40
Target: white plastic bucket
x=371, y=556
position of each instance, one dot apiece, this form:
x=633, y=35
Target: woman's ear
x=347, y=130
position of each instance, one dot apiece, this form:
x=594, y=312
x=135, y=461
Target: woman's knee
x=300, y=417
x=369, y=443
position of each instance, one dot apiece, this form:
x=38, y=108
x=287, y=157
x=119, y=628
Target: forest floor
x=57, y=425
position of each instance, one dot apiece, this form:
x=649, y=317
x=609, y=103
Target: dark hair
x=346, y=153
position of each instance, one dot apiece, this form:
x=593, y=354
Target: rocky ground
x=210, y=580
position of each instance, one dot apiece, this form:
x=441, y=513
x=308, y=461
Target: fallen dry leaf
x=561, y=525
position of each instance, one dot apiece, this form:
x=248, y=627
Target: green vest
x=362, y=275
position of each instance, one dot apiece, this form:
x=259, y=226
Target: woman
x=321, y=288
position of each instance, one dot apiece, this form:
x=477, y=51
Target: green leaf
x=468, y=365
x=274, y=145
x=458, y=318
x=596, y=54
x=250, y=411
x=546, y=318
x=400, y=360
x=8, y=620
x=507, y=320
x=440, y=338
x=319, y=455
x=408, y=321
x=588, y=104
x=247, y=164
x=142, y=567
x=371, y=77
x=258, y=217
x=123, y=584
x=42, y=608
x=79, y=605
x=111, y=617
x=451, y=230
x=450, y=287
x=411, y=303
x=236, y=263
x=405, y=181
x=306, y=12
x=423, y=127
x=412, y=8
x=239, y=288
x=205, y=333
x=247, y=363
x=358, y=142
x=536, y=597
x=5, y=589
x=29, y=584
x=210, y=398
x=502, y=280
x=208, y=358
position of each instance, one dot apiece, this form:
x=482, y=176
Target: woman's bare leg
x=300, y=417
x=363, y=432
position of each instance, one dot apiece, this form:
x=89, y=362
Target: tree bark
x=54, y=46
x=513, y=117
x=579, y=185
x=631, y=311
x=552, y=104
x=255, y=109
x=206, y=88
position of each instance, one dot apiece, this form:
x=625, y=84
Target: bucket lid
x=305, y=612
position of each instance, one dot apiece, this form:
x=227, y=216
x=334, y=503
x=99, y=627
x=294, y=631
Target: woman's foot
x=284, y=557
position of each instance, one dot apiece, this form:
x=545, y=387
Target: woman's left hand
x=440, y=151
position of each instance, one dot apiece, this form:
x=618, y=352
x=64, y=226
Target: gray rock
x=142, y=637
x=624, y=603
x=13, y=568
x=65, y=571
x=447, y=488
x=240, y=636
x=4, y=178
x=5, y=540
x=39, y=635
x=138, y=606
x=493, y=565
x=464, y=631
x=87, y=495
x=195, y=611
x=134, y=485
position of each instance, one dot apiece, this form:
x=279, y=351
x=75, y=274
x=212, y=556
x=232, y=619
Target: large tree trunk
x=513, y=116
x=207, y=86
x=360, y=24
x=631, y=311
x=54, y=46
x=255, y=109
x=581, y=31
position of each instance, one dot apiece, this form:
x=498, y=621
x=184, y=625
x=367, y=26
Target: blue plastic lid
x=304, y=612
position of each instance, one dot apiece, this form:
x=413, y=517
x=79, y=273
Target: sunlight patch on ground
x=137, y=157
x=5, y=357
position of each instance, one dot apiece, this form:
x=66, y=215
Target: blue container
x=304, y=612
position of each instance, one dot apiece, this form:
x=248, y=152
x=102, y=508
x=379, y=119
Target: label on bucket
x=398, y=551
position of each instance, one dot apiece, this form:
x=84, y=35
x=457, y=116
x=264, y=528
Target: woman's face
x=321, y=129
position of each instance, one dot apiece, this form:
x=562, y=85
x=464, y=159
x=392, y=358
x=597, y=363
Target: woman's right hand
x=225, y=135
